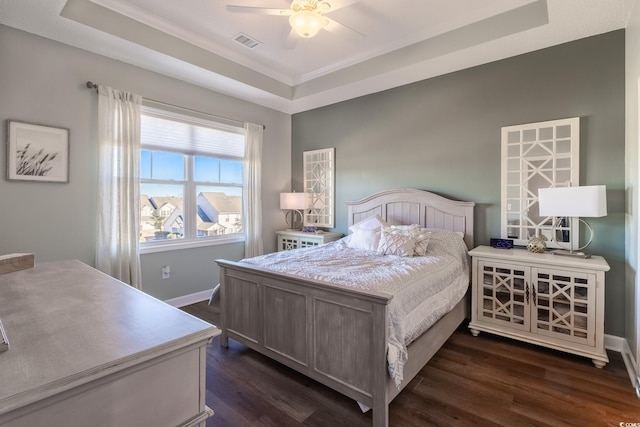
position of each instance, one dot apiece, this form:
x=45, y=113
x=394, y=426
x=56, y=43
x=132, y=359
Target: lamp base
x=574, y=254
x=293, y=225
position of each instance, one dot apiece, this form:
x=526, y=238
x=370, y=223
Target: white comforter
x=424, y=288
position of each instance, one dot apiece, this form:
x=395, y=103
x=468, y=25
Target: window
x=191, y=186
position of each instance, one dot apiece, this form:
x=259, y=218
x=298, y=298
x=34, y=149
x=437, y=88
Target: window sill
x=155, y=247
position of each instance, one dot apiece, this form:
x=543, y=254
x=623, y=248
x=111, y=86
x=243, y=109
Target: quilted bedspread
x=424, y=288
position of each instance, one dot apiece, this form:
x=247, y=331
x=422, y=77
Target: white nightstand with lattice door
x=292, y=239
x=550, y=300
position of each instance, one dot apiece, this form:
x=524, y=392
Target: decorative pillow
x=396, y=243
x=370, y=223
x=421, y=235
x=422, y=241
x=364, y=239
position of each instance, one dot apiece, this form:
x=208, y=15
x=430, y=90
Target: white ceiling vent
x=245, y=40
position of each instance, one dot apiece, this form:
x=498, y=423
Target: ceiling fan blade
x=259, y=10
x=291, y=40
x=342, y=30
x=335, y=5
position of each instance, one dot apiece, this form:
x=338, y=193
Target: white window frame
x=190, y=239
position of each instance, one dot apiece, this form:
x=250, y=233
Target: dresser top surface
x=68, y=323
x=547, y=258
x=299, y=233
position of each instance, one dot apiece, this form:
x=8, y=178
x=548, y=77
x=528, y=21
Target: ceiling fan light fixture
x=307, y=23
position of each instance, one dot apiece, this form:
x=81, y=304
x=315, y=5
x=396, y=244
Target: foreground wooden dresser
x=88, y=350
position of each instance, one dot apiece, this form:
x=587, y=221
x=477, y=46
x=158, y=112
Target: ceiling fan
x=306, y=17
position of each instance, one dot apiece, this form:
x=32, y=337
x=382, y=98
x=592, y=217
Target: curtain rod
x=91, y=85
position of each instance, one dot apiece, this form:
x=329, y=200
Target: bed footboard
x=334, y=335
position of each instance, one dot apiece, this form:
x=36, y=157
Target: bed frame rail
x=327, y=333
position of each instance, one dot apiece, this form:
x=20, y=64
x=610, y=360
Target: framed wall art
x=319, y=181
x=37, y=152
x=534, y=156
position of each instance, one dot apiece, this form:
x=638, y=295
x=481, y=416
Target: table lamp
x=581, y=201
x=294, y=203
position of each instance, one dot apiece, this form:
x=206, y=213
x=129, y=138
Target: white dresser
x=545, y=299
x=88, y=350
x=292, y=239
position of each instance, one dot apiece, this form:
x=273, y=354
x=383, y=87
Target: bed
x=334, y=334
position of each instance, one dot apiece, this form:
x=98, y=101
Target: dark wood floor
x=471, y=381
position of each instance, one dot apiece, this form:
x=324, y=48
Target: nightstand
x=549, y=300
x=292, y=239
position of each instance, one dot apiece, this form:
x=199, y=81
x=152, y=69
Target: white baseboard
x=190, y=299
x=630, y=363
x=614, y=343
x=619, y=344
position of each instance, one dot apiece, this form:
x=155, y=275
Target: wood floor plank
x=483, y=381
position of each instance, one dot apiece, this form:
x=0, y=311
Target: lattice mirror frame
x=534, y=156
x=319, y=181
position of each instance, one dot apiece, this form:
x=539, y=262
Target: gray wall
x=42, y=81
x=443, y=134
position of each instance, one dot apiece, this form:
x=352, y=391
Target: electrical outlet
x=166, y=272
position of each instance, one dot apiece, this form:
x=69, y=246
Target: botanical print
x=39, y=163
x=38, y=153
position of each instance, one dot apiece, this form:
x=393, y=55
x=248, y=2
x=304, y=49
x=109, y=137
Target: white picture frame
x=37, y=152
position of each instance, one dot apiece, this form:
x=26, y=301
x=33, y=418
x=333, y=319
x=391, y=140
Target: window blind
x=170, y=131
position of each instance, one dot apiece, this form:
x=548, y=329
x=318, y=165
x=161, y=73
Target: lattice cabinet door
x=307, y=243
x=543, y=299
x=504, y=294
x=563, y=305
x=291, y=239
x=286, y=243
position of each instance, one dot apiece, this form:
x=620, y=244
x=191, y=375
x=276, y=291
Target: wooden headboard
x=405, y=206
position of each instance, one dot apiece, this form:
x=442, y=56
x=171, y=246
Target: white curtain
x=253, y=184
x=118, y=184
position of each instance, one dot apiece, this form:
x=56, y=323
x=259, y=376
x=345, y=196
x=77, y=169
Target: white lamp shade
x=586, y=201
x=294, y=200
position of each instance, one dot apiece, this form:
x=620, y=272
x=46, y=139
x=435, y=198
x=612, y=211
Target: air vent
x=247, y=41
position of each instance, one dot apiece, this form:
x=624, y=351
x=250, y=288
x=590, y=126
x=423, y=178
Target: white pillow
x=364, y=239
x=408, y=228
x=370, y=223
x=393, y=242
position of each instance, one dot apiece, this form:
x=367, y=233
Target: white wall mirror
x=319, y=181
x=534, y=156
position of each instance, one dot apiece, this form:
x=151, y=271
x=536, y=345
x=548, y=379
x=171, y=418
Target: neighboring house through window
x=190, y=180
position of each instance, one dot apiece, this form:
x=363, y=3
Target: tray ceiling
x=381, y=44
